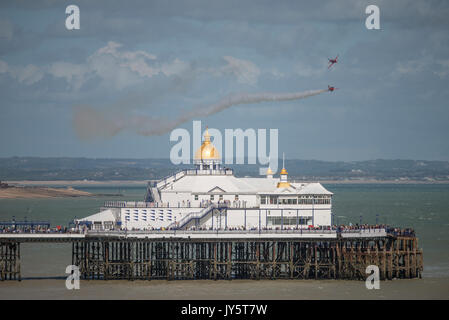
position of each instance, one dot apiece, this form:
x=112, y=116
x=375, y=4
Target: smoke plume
x=92, y=123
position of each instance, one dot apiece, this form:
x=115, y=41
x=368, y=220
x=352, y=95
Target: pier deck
x=265, y=254
x=200, y=234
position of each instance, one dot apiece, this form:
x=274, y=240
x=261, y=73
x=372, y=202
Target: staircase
x=152, y=194
x=193, y=215
x=156, y=195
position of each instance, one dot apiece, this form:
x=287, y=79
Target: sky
x=105, y=90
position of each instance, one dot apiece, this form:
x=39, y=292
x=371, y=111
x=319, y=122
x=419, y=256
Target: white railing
x=170, y=179
x=178, y=175
x=192, y=215
x=370, y=232
x=205, y=232
x=220, y=172
x=131, y=204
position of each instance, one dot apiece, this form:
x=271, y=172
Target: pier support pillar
x=10, y=261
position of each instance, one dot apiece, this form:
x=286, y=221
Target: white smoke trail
x=248, y=98
x=90, y=123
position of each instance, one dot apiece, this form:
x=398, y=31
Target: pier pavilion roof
x=232, y=184
x=313, y=188
x=210, y=183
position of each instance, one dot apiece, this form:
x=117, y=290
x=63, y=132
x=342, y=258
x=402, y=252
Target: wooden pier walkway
x=227, y=255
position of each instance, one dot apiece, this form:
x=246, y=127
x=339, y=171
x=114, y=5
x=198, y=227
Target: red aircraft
x=332, y=61
x=329, y=88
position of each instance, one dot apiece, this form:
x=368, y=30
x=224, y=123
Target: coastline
x=86, y=183
x=26, y=192
x=143, y=183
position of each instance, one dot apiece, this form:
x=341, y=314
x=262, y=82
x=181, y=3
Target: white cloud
x=25, y=74
x=175, y=67
x=119, y=69
x=306, y=70
x=245, y=71
x=29, y=74
x=74, y=74
x=443, y=69
x=424, y=64
x=411, y=66
x=115, y=67
x=276, y=73
x=127, y=68
x=106, y=60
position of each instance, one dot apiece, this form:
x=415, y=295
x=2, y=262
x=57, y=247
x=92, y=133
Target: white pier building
x=211, y=197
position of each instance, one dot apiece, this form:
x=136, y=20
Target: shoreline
x=143, y=183
x=27, y=192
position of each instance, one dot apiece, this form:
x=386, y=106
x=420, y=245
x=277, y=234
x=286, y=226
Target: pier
x=255, y=254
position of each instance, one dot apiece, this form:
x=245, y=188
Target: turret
x=283, y=183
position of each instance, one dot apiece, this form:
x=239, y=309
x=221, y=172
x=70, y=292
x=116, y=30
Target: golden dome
x=207, y=151
x=283, y=171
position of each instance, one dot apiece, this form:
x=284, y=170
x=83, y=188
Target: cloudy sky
x=103, y=90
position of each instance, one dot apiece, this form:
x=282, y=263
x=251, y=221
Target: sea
x=423, y=207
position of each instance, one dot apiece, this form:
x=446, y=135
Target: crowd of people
x=339, y=229
x=38, y=229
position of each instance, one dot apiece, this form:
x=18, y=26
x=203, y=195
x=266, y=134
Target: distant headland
x=17, y=192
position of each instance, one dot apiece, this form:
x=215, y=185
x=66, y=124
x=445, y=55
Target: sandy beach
x=40, y=192
x=82, y=183
x=143, y=183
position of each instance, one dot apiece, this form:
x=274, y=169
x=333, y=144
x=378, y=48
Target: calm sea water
x=422, y=207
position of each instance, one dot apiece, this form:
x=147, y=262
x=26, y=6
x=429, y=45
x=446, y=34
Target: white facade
x=250, y=203
x=210, y=197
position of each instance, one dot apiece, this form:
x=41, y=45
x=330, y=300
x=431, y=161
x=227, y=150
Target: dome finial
x=283, y=171
x=207, y=151
x=283, y=160
x=207, y=135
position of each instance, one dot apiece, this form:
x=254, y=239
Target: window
x=263, y=199
x=236, y=197
x=221, y=197
x=196, y=197
x=287, y=221
x=211, y=197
